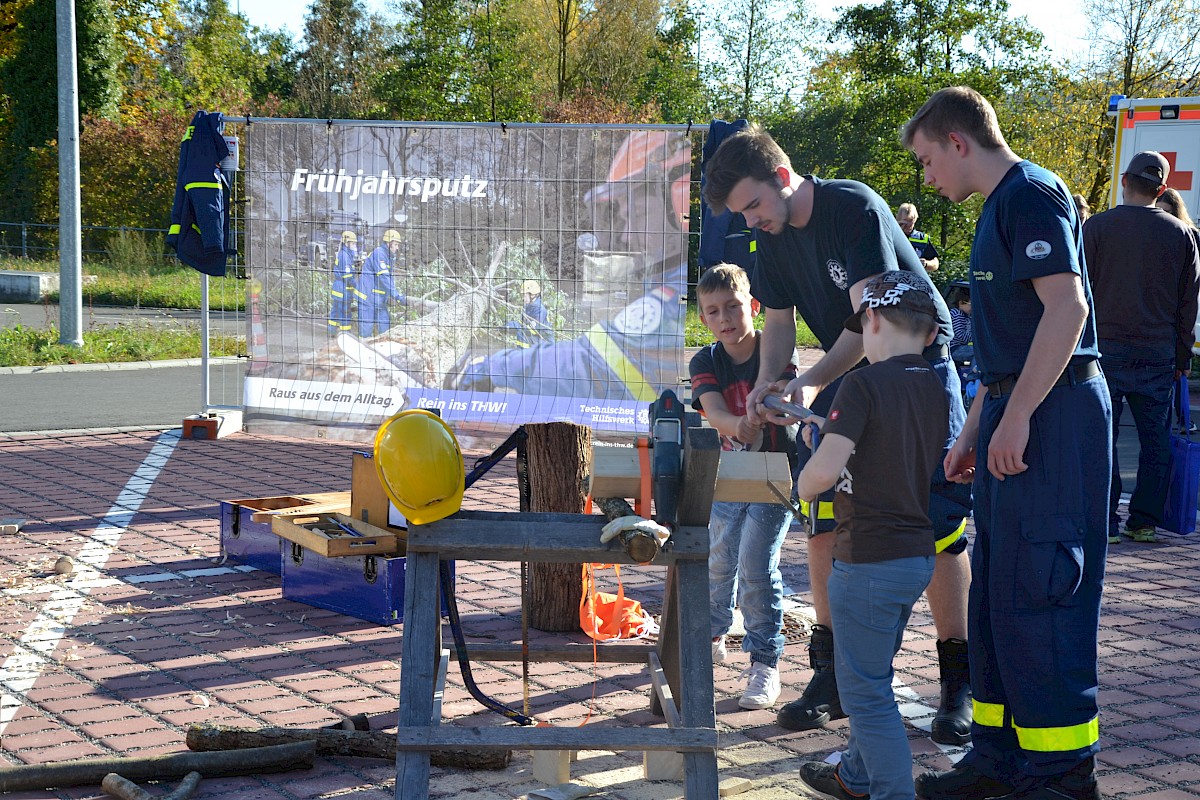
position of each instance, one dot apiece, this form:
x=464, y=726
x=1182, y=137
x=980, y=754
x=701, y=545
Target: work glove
x=634, y=524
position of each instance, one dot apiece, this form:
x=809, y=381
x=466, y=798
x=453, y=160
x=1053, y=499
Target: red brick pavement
x=160, y=638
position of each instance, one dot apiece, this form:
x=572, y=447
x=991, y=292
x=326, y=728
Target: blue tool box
x=370, y=587
x=245, y=540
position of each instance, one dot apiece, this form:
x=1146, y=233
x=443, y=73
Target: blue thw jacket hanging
x=200, y=214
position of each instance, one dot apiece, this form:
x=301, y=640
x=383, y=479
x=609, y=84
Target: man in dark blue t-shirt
x=1038, y=445
x=819, y=242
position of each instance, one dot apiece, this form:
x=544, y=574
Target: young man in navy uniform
x=1038, y=445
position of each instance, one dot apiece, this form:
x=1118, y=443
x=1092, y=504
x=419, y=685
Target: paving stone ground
x=150, y=634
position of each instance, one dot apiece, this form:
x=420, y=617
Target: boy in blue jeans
x=880, y=444
x=744, y=538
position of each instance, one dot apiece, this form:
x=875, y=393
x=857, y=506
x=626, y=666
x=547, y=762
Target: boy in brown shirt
x=880, y=445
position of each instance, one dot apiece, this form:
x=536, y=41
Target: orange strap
x=641, y=503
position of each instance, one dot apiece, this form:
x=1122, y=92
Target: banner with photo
x=498, y=274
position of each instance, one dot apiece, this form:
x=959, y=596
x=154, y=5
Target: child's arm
x=823, y=469
x=746, y=430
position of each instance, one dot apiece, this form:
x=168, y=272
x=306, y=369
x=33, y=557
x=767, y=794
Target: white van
x=1171, y=126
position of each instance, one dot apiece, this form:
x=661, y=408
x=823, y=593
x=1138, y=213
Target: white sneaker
x=720, y=654
x=762, y=686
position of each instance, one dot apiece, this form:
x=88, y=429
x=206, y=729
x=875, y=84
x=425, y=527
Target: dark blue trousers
x=1037, y=574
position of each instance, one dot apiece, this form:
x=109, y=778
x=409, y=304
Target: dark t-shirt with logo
x=851, y=236
x=895, y=412
x=1029, y=228
x=712, y=370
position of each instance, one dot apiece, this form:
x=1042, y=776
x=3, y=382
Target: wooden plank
x=741, y=477
x=319, y=533
x=663, y=689
x=696, y=696
x=418, y=673
x=589, y=737
x=701, y=458
x=268, y=507
x=536, y=537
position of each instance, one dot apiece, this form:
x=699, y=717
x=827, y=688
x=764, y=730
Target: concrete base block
x=662, y=765
x=552, y=767
x=212, y=424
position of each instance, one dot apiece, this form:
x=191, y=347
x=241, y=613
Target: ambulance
x=1171, y=126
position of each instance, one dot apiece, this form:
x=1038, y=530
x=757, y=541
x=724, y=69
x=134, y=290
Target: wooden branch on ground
x=126, y=789
x=91, y=771
x=330, y=742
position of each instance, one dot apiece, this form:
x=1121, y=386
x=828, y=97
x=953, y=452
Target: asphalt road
x=86, y=398
x=40, y=316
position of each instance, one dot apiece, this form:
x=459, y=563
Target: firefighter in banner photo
x=340, y=291
x=374, y=287
x=636, y=352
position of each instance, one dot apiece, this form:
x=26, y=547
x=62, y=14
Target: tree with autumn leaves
x=834, y=91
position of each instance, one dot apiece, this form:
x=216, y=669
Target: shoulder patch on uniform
x=834, y=414
x=1038, y=250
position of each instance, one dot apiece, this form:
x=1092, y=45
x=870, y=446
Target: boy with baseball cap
x=880, y=445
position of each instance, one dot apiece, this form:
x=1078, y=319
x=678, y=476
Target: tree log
x=559, y=461
x=330, y=742
x=126, y=789
x=91, y=771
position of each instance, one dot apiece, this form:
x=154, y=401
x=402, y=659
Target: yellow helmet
x=348, y=236
x=391, y=235
x=420, y=465
x=531, y=287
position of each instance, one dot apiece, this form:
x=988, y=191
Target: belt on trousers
x=1073, y=374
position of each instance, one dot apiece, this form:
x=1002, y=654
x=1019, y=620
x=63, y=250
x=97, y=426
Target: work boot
x=960, y=783
x=952, y=725
x=819, y=703
x=1078, y=783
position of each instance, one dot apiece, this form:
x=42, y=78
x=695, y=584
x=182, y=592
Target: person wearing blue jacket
x=343, y=284
x=374, y=287
x=634, y=354
x=200, y=213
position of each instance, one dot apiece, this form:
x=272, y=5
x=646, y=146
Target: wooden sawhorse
x=680, y=664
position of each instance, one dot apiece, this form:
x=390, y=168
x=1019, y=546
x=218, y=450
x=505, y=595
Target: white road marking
x=21, y=669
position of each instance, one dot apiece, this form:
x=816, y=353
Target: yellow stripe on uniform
x=618, y=363
x=187, y=187
x=1059, y=740
x=989, y=714
x=950, y=538
x=173, y=229
x=824, y=509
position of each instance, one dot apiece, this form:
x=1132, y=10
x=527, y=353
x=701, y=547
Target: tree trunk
x=91, y=771
x=560, y=456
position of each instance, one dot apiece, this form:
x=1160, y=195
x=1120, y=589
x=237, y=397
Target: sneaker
x=1114, y=537
x=720, y=654
x=1142, y=533
x=823, y=779
x=762, y=686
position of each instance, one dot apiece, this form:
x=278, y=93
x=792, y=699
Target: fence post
x=24, y=241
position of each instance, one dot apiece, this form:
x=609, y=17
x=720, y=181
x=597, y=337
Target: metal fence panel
x=497, y=274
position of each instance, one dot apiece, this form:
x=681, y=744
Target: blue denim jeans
x=743, y=562
x=1145, y=380
x=870, y=605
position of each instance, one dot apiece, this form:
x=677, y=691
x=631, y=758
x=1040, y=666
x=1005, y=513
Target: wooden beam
x=589, y=737
x=741, y=477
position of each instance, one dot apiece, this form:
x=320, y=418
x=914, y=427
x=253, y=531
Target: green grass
x=696, y=335
x=148, y=285
x=21, y=346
